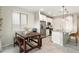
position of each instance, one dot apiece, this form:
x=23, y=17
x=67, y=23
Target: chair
x=75, y=35
x=21, y=43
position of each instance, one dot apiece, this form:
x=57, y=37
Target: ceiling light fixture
x=65, y=11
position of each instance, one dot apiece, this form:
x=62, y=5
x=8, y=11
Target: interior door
x=43, y=28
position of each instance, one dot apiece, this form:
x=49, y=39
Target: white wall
x=6, y=14
x=0, y=11
x=37, y=21
x=78, y=23
x=66, y=24
x=58, y=23
x=75, y=23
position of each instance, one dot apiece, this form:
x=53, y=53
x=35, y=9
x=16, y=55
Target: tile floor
x=48, y=47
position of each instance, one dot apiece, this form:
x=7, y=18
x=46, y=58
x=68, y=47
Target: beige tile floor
x=48, y=47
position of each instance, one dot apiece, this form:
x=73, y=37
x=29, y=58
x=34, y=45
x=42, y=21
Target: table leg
x=39, y=42
x=14, y=42
x=76, y=41
x=15, y=39
x=24, y=44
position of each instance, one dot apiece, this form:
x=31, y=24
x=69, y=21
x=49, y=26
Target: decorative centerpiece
x=26, y=30
x=34, y=30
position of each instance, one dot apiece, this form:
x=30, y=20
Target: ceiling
x=52, y=10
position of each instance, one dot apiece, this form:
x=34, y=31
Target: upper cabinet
x=42, y=17
x=45, y=18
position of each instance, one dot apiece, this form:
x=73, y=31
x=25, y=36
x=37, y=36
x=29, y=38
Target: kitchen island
x=60, y=37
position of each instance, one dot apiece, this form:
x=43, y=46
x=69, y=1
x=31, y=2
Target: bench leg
x=76, y=41
x=14, y=42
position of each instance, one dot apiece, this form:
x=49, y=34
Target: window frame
x=20, y=18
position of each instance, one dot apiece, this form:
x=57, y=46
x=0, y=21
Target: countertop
x=60, y=31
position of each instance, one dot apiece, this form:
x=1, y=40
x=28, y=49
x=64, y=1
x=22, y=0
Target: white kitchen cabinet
x=60, y=37
x=57, y=37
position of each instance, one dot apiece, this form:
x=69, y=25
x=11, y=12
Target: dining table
x=24, y=41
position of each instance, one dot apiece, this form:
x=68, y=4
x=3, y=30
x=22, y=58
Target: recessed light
x=41, y=9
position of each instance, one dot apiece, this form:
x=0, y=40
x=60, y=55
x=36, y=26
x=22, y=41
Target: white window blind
x=20, y=21
x=16, y=18
x=23, y=21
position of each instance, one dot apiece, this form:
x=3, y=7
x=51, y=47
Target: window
x=19, y=21
x=23, y=19
x=16, y=18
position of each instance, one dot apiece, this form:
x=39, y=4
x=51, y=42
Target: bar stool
x=75, y=35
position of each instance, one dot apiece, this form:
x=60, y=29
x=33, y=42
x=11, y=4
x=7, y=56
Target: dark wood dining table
x=27, y=39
